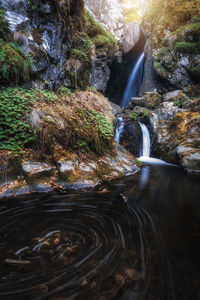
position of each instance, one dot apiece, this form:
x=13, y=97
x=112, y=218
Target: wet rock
x=137, y=101
x=191, y=162
x=36, y=169
x=148, y=84
x=131, y=138
x=100, y=74
x=189, y=159
x=116, y=109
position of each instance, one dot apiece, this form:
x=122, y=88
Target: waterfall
x=119, y=129
x=146, y=148
x=134, y=82
x=145, y=140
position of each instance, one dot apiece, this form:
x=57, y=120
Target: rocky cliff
x=65, y=43
x=172, y=68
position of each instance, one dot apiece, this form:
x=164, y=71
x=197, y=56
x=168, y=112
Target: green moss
x=134, y=116
x=93, y=33
x=3, y=24
x=187, y=47
x=98, y=34
x=15, y=64
x=96, y=133
x=64, y=91
x=79, y=54
x=15, y=132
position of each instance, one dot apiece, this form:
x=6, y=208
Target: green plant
x=64, y=91
x=79, y=54
x=15, y=64
x=139, y=162
x=15, y=104
x=96, y=132
x=91, y=89
x=187, y=47
x=48, y=96
x=134, y=116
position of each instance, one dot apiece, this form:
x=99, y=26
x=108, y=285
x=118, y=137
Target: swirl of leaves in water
x=81, y=246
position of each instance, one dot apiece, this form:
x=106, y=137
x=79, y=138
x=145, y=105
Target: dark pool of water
x=135, y=239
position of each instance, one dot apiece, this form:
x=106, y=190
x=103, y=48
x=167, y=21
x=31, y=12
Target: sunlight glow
x=134, y=10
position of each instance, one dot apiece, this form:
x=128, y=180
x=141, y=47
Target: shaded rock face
x=131, y=138
x=46, y=30
x=109, y=13
x=148, y=83
x=47, y=39
x=172, y=70
x=71, y=174
x=100, y=73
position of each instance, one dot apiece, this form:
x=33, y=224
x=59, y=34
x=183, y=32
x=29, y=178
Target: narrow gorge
x=100, y=149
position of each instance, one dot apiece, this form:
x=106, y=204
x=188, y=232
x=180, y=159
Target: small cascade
x=146, y=148
x=146, y=145
x=119, y=129
x=134, y=82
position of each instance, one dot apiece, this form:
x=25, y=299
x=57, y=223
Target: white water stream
x=134, y=82
x=146, y=148
x=119, y=129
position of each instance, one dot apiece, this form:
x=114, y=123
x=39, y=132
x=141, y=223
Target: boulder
x=75, y=175
x=65, y=168
x=137, y=101
x=131, y=138
x=34, y=170
x=152, y=99
x=171, y=96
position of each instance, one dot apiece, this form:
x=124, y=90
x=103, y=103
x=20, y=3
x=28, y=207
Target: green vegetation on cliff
x=15, y=132
x=15, y=64
x=67, y=123
x=180, y=16
x=91, y=41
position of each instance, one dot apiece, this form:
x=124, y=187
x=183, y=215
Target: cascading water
x=146, y=148
x=134, y=82
x=119, y=129
x=132, y=89
x=146, y=140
